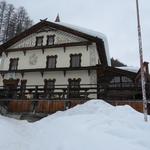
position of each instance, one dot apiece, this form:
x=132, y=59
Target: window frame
x=10, y=64
x=36, y=43
x=50, y=36
x=47, y=62
x=74, y=55
x=46, y=83
x=49, y=91
x=74, y=91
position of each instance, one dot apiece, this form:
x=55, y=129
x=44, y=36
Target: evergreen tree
x=116, y=63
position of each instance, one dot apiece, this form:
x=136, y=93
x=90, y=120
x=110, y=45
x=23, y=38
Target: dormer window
x=75, y=60
x=13, y=64
x=50, y=39
x=39, y=41
x=51, y=61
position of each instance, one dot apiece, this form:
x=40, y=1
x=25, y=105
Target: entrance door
x=10, y=87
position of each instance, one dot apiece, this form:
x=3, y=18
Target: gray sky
x=114, y=18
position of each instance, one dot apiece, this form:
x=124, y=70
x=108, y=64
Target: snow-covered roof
x=129, y=68
x=91, y=33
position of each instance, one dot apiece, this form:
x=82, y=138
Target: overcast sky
x=114, y=18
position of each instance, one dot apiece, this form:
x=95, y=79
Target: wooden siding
x=137, y=105
x=49, y=107
x=42, y=106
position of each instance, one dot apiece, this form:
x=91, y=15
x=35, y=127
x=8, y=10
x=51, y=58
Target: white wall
x=89, y=58
x=35, y=78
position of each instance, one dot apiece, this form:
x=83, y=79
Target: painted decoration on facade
x=33, y=59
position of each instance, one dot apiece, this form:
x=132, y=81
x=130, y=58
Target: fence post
x=36, y=92
x=68, y=91
x=86, y=94
x=98, y=89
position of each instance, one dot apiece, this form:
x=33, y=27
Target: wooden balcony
x=35, y=99
x=59, y=92
x=65, y=92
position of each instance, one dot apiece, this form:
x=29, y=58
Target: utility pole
x=141, y=63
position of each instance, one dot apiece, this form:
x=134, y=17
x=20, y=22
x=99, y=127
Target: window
x=74, y=87
x=126, y=82
x=49, y=86
x=75, y=60
x=121, y=81
x=115, y=82
x=51, y=61
x=13, y=64
x=126, y=79
x=50, y=39
x=39, y=41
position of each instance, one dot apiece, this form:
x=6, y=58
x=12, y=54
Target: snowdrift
x=94, y=125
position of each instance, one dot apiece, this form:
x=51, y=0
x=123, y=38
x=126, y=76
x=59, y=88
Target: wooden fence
x=42, y=106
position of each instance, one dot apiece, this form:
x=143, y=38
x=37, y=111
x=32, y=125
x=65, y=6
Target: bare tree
x=2, y=13
x=7, y=19
x=12, y=21
x=12, y=26
x=21, y=19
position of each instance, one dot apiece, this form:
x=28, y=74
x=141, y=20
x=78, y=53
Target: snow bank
x=94, y=125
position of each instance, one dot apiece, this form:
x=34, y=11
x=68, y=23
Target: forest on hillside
x=12, y=21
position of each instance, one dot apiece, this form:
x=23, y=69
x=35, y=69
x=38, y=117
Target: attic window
x=50, y=39
x=39, y=41
x=13, y=64
x=75, y=60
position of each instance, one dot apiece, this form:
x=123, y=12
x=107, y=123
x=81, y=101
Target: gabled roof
x=98, y=38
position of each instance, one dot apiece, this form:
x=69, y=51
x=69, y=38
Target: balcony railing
x=64, y=92
x=39, y=92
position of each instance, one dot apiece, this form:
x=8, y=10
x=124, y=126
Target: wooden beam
x=49, y=69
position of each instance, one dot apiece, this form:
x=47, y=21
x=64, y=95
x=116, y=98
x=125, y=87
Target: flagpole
x=141, y=64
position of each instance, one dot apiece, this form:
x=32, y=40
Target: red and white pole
x=141, y=63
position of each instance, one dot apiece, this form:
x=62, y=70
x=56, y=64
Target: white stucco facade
x=89, y=57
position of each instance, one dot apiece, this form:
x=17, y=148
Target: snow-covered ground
x=94, y=125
